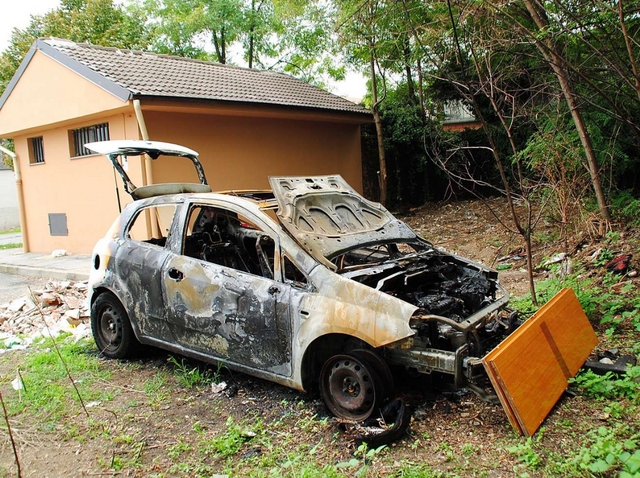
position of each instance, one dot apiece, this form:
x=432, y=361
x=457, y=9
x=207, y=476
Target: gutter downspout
x=148, y=173
x=21, y=209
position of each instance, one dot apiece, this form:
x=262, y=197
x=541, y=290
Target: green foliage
x=193, y=376
x=412, y=178
x=610, y=385
x=526, y=452
x=608, y=450
x=362, y=459
x=626, y=208
x=229, y=442
x=11, y=245
x=99, y=22
x=47, y=389
x=602, y=303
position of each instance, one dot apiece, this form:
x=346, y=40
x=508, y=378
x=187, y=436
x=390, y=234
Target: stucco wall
x=9, y=217
x=48, y=93
x=82, y=188
x=241, y=152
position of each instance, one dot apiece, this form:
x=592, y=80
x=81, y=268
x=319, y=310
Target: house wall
x=239, y=149
x=48, y=93
x=83, y=188
x=9, y=217
x=242, y=152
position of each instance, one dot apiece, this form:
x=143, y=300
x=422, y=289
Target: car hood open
x=328, y=217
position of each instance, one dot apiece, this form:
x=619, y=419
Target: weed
x=362, y=458
x=48, y=393
x=155, y=388
x=526, y=454
x=193, y=376
x=448, y=451
x=545, y=237
x=610, y=385
x=609, y=451
x=612, y=238
x=230, y=442
x=605, y=256
x=179, y=448
x=11, y=245
x=10, y=231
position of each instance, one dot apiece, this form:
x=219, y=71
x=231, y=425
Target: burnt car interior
x=222, y=237
x=160, y=216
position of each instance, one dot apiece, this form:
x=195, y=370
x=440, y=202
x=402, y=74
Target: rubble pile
x=58, y=307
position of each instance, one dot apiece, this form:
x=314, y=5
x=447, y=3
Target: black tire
x=381, y=368
x=351, y=387
x=111, y=328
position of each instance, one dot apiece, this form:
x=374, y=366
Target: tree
x=99, y=22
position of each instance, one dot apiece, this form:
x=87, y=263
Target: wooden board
x=530, y=368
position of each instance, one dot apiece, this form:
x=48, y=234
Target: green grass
x=48, y=393
x=11, y=245
x=10, y=231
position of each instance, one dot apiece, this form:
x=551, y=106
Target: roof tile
x=150, y=74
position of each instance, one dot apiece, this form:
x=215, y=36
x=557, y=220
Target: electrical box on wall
x=58, y=224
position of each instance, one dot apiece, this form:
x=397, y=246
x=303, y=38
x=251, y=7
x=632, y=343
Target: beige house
x=246, y=125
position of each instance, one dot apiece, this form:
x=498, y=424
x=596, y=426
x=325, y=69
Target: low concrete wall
x=9, y=217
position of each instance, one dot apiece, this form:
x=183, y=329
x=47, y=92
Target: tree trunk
x=252, y=29
x=382, y=172
x=407, y=68
x=420, y=88
x=557, y=62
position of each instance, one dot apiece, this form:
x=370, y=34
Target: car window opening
x=224, y=238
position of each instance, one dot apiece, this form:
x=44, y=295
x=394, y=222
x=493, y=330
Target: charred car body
x=308, y=284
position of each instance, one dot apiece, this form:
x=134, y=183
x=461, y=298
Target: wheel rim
x=349, y=387
x=381, y=369
x=110, y=328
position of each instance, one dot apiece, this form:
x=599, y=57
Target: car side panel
x=228, y=314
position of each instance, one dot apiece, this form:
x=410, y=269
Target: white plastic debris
x=16, y=383
x=59, y=253
x=218, y=387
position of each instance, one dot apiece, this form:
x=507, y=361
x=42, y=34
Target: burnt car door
x=223, y=290
x=138, y=266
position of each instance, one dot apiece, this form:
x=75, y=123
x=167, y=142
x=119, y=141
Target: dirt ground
x=137, y=429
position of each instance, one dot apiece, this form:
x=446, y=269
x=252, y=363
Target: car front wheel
x=351, y=386
x=111, y=328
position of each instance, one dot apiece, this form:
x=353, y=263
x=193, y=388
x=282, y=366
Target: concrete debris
x=64, y=309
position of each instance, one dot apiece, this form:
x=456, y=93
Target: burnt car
x=307, y=285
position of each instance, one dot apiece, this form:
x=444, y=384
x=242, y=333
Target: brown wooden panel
x=530, y=368
x=497, y=385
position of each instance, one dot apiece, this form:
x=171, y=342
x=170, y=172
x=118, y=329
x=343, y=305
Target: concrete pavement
x=74, y=267
x=13, y=238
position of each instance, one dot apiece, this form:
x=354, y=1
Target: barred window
x=36, y=150
x=79, y=137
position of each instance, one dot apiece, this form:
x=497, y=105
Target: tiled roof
x=150, y=74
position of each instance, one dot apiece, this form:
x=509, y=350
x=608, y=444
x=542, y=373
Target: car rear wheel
x=111, y=328
x=351, y=386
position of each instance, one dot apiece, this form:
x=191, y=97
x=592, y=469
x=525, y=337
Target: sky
x=17, y=14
